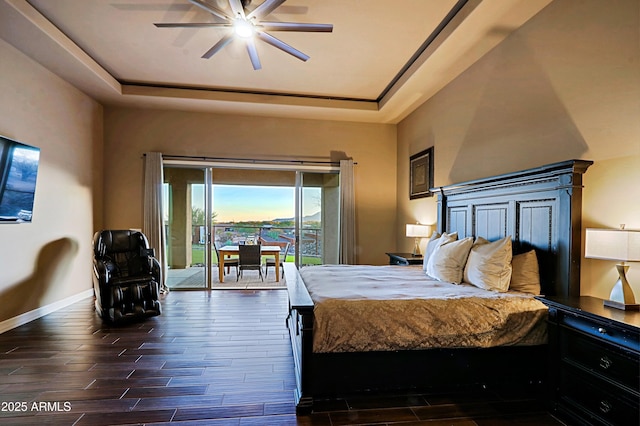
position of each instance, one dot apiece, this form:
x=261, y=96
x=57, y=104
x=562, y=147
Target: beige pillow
x=526, y=274
x=447, y=260
x=489, y=264
x=434, y=244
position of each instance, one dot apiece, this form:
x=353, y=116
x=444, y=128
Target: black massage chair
x=126, y=276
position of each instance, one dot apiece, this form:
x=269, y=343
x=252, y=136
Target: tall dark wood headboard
x=539, y=208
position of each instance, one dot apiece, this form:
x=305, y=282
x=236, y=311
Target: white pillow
x=489, y=264
x=526, y=274
x=447, y=260
x=435, y=243
x=431, y=245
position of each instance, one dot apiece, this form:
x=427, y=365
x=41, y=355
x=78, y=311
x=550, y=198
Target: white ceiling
x=382, y=60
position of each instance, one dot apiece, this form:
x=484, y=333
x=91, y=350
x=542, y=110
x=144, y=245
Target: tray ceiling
x=382, y=59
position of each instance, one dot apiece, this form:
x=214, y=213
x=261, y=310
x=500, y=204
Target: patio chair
x=271, y=261
x=228, y=261
x=249, y=259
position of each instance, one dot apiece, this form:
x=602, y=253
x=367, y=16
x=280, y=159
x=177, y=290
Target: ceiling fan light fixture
x=243, y=28
x=250, y=26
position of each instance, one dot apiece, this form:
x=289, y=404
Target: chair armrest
x=101, y=270
x=156, y=270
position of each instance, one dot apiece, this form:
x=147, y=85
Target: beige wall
x=49, y=259
x=612, y=198
x=566, y=85
x=130, y=132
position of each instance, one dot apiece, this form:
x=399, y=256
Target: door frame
x=209, y=165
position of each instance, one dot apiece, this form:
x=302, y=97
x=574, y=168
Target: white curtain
x=153, y=226
x=347, y=214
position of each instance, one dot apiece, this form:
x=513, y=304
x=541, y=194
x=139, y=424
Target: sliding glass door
x=317, y=218
x=206, y=205
x=187, y=225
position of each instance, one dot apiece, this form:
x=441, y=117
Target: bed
x=540, y=209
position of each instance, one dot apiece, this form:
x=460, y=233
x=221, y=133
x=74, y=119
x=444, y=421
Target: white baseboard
x=22, y=319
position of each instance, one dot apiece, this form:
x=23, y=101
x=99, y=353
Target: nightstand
x=404, y=259
x=594, y=361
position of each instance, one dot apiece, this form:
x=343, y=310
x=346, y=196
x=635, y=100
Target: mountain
x=316, y=217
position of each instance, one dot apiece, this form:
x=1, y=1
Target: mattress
x=361, y=308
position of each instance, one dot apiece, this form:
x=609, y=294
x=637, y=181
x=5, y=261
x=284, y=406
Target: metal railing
x=233, y=234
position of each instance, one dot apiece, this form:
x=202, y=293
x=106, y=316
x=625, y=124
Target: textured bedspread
x=385, y=308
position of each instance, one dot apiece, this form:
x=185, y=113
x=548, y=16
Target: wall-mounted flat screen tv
x=18, y=173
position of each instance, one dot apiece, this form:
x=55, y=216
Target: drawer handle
x=602, y=330
x=605, y=406
x=605, y=362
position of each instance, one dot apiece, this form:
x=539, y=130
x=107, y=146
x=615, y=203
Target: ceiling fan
x=249, y=26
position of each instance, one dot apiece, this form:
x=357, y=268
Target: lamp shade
x=613, y=244
x=418, y=231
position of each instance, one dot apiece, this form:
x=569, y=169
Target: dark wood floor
x=212, y=358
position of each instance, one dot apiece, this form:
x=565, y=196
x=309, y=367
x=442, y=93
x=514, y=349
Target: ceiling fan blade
x=218, y=46
x=296, y=26
x=253, y=54
x=192, y=25
x=211, y=9
x=268, y=38
x=236, y=7
x=264, y=9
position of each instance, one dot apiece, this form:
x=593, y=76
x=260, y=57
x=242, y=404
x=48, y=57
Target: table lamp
x=418, y=231
x=616, y=244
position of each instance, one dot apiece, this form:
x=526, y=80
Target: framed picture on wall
x=421, y=174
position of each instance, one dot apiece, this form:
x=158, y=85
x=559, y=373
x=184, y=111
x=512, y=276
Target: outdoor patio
x=193, y=278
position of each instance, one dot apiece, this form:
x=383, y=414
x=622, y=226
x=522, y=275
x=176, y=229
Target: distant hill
x=316, y=217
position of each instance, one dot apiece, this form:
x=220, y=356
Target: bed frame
x=539, y=208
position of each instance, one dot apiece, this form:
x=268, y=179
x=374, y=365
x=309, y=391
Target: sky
x=235, y=203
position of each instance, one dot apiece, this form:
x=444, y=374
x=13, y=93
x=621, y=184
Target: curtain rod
x=249, y=160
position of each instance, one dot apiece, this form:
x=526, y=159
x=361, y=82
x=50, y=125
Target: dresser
x=594, y=362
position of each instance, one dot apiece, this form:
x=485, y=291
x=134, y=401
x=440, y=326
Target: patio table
x=264, y=250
